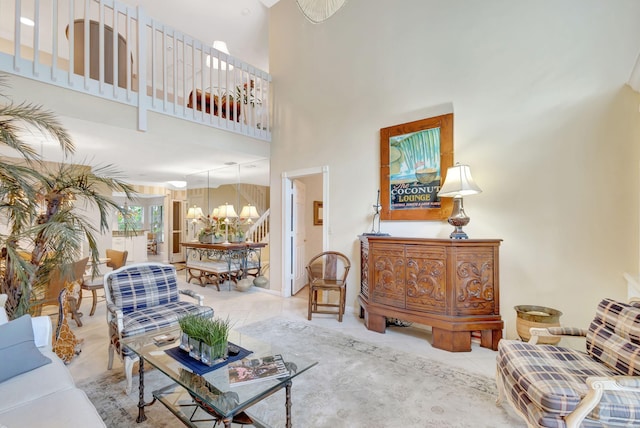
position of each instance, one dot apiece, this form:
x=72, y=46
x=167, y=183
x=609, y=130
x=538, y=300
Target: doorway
x=303, y=239
x=177, y=232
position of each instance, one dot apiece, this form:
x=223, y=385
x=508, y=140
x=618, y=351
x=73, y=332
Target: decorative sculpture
x=376, y=218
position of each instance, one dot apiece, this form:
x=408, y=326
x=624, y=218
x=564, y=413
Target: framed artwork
x=414, y=157
x=317, y=213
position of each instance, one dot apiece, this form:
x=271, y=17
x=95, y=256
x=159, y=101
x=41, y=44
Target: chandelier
x=318, y=11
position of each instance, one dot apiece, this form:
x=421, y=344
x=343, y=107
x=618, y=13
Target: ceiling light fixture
x=222, y=47
x=27, y=21
x=318, y=11
x=180, y=184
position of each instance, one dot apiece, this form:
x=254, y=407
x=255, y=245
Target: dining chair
x=328, y=272
x=115, y=260
x=152, y=243
x=58, y=279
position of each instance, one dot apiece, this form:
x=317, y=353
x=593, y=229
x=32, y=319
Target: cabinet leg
x=490, y=338
x=377, y=323
x=452, y=341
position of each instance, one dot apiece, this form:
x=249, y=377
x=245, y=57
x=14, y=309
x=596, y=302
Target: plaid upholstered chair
x=142, y=298
x=553, y=386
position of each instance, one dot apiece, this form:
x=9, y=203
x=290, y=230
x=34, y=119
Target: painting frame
x=411, y=178
x=317, y=213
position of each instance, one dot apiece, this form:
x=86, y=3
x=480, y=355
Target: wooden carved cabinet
x=450, y=285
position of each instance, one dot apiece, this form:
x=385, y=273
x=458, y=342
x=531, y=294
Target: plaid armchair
x=142, y=298
x=552, y=386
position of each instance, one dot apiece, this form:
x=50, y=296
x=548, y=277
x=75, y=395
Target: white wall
x=541, y=115
x=313, y=233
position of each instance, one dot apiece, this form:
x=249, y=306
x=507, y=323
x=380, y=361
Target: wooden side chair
x=328, y=272
x=58, y=279
x=116, y=259
x=152, y=243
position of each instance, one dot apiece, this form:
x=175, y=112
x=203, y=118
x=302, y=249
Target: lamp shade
x=215, y=213
x=227, y=211
x=194, y=212
x=459, y=182
x=249, y=211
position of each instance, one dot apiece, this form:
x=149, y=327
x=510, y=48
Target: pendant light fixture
x=318, y=11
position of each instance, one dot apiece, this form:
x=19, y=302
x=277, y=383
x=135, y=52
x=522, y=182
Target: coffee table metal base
x=141, y=403
x=160, y=395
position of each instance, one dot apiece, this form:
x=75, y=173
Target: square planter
x=206, y=354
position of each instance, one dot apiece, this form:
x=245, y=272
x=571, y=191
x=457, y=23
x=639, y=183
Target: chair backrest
x=117, y=259
x=141, y=285
x=329, y=265
x=614, y=337
x=60, y=276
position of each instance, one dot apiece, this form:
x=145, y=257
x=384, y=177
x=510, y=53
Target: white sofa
x=45, y=396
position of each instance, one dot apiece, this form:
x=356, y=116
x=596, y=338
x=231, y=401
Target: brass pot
x=537, y=316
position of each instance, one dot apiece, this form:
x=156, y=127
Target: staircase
x=257, y=196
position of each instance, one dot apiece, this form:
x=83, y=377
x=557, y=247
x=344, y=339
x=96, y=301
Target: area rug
x=355, y=384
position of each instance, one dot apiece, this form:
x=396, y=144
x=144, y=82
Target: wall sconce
x=194, y=213
x=458, y=183
x=227, y=212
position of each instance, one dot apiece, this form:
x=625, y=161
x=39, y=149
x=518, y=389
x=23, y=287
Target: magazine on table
x=250, y=370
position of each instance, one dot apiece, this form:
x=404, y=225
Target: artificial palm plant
x=39, y=227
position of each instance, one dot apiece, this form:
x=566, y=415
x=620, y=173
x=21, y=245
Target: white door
x=299, y=236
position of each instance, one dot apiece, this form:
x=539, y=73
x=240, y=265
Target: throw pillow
x=18, y=352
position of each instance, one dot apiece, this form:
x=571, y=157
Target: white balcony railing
x=180, y=75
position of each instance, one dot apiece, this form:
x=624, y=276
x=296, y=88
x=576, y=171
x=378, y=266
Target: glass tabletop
x=212, y=390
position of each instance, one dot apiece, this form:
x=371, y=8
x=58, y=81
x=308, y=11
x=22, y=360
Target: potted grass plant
x=205, y=339
x=215, y=340
x=191, y=327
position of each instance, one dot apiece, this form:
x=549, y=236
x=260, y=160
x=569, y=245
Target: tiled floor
x=257, y=305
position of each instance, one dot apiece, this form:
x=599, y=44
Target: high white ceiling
x=170, y=149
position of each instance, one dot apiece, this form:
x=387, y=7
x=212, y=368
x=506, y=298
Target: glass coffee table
x=189, y=396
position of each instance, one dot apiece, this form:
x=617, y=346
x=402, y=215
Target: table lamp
x=458, y=183
x=226, y=212
x=194, y=213
x=250, y=213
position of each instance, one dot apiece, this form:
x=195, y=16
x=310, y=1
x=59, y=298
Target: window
x=133, y=218
x=156, y=222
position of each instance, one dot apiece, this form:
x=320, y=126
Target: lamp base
x=458, y=233
x=458, y=219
